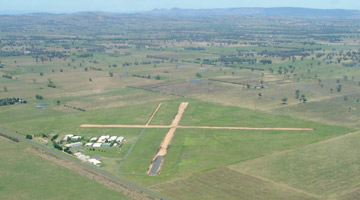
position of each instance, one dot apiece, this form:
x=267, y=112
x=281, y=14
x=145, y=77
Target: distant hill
x=258, y=12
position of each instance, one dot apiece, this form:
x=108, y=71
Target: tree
x=28, y=137
x=345, y=98
x=331, y=90
x=157, y=77
x=41, y=74
x=90, y=79
x=260, y=95
x=54, y=137
x=56, y=146
x=111, y=74
x=5, y=89
x=198, y=75
x=339, y=87
x=58, y=102
x=39, y=97
x=284, y=100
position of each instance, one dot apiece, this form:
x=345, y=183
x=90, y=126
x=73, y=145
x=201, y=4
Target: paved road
x=62, y=155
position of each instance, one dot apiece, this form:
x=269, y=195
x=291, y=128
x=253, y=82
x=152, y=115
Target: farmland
x=233, y=72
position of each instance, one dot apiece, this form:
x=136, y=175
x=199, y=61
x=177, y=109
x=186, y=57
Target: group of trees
x=302, y=98
x=75, y=108
x=51, y=83
x=56, y=146
x=39, y=97
x=9, y=76
x=11, y=101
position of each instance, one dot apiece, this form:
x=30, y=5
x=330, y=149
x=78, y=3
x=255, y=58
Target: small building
x=120, y=139
x=77, y=154
x=84, y=157
x=74, y=145
x=97, y=145
x=76, y=137
x=103, y=138
x=94, y=162
x=69, y=136
x=113, y=138
x=88, y=144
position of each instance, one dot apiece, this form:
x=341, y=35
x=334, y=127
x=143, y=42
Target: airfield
x=195, y=127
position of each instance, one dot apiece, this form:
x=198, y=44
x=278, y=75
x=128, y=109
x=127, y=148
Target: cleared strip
x=197, y=127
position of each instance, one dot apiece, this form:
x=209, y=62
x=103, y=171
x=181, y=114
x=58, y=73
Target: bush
x=56, y=146
x=28, y=137
x=54, y=137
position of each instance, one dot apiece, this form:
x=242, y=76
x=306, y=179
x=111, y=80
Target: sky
x=69, y=6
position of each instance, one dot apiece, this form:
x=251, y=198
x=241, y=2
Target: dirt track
x=169, y=135
x=152, y=116
x=197, y=127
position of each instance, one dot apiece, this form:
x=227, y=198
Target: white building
x=120, y=139
x=94, y=162
x=97, y=145
x=77, y=154
x=113, y=138
x=76, y=137
x=103, y=138
x=88, y=144
x=84, y=158
x=94, y=139
x=67, y=137
x=74, y=145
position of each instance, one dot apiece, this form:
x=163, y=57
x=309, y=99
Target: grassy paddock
x=317, y=168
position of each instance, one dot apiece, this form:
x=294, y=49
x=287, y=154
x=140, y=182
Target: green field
x=317, y=168
x=226, y=184
x=44, y=179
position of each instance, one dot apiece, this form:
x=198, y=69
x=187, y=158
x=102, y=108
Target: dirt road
x=169, y=136
x=152, y=116
x=197, y=127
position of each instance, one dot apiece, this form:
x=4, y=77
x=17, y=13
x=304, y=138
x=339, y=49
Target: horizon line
x=21, y=12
